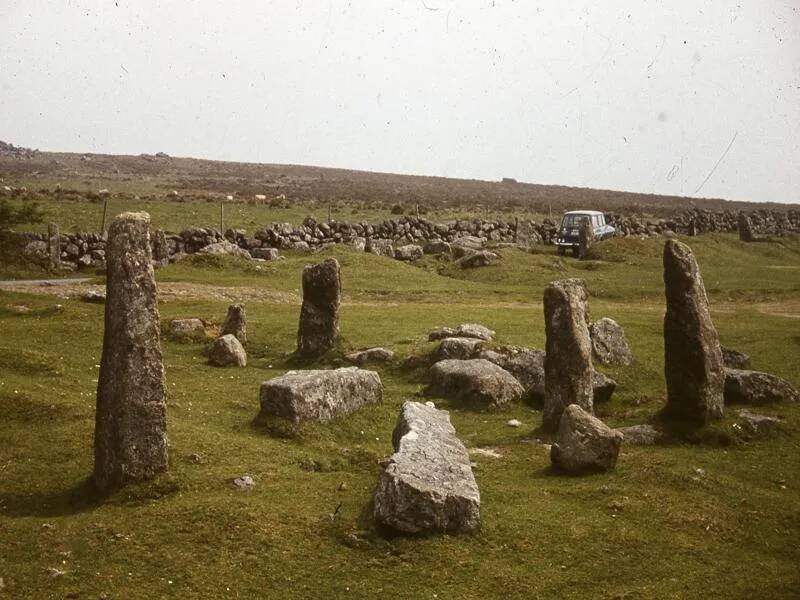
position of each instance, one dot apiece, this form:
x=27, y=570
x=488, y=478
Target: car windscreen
x=573, y=220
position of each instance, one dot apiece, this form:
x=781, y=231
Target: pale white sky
x=633, y=95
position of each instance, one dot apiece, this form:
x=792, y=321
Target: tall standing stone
x=693, y=364
x=53, y=247
x=160, y=248
x=568, y=358
x=585, y=238
x=130, y=440
x=236, y=323
x=523, y=233
x=319, y=316
x=745, y=228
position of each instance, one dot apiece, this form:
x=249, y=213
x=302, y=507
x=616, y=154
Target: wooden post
x=417, y=211
x=222, y=216
x=105, y=209
x=329, y=213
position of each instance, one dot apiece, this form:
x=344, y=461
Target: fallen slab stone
x=584, y=443
x=427, y=485
x=370, y=355
x=320, y=395
x=733, y=359
x=456, y=347
x=227, y=351
x=609, y=345
x=475, y=380
x=640, y=435
x=754, y=387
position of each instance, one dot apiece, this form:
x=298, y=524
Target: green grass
x=650, y=529
x=86, y=215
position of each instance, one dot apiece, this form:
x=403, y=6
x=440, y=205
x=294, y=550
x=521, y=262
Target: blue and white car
x=567, y=234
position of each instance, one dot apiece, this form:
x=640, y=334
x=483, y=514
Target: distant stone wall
x=87, y=250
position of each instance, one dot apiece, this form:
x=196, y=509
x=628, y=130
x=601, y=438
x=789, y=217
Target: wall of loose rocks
x=87, y=250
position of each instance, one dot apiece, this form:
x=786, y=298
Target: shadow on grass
x=84, y=497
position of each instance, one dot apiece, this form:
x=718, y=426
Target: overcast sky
x=676, y=97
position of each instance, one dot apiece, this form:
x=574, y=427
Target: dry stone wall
x=87, y=250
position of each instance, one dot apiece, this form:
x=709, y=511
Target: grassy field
x=654, y=528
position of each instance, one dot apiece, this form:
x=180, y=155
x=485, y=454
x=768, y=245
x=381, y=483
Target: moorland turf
x=718, y=518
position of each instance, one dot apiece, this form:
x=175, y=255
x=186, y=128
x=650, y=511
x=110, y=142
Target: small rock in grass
x=640, y=435
x=514, y=423
x=245, y=482
x=371, y=354
x=227, y=351
x=584, y=442
x=759, y=424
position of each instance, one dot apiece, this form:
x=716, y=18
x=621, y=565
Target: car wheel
x=561, y=251
x=575, y=252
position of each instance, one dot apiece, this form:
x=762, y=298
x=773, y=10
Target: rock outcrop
x=584, y=443
x=319, y=315
x=320, y=395
x=130, y=438
x=693, y=365
x=474, y=381
x=568, y=359
x=427, y=485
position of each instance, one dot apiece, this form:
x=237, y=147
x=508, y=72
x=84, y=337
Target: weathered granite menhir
x=130, y=440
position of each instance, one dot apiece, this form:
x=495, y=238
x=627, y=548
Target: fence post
x=222, y=216
x=105, y=210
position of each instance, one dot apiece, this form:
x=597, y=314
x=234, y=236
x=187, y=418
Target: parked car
x=567, y=235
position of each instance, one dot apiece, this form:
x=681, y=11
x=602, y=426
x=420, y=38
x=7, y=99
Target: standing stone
x=524, y=233
x=692, y=229
x=160, y=248
x=236, y=323
x=585, y=238
x=693, y=364
x=568, y=359
x=130, y=439
x=53, y=247
x=609, y=345
x=319, y=316
x=745, y=228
